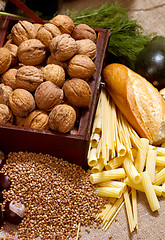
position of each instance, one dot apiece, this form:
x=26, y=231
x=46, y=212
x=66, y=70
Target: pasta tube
x=109, y=192
x=99, y=167
x=149, y=191
x=160, y=161
x=160, y=177
x=141, y=155
x=115, y=163
x=92, y=161
x=115, y=184
x=150, y=163
x=107, y=175
x=131, y=170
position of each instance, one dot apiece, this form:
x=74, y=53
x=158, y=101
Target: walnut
x=31, y=52
x=52, y=60
x=19, y=121
x=5, y=59
x=5, y=114
x=83, y=31
x=21, y=31
x=47, y=95
x=37, y=119
x=63, y=47
x=86, y=47
x=21, y=102
x=78, y=92
x=62, y=118
x=81, y=66
x=13, y=50
x=9, y=77
x=5, y=92
x=47, y=32
x=55, y=74
x=37, y=26
x=64, y=23
x=29, y=78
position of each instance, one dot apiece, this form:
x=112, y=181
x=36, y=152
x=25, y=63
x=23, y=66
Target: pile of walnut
x=44, y=71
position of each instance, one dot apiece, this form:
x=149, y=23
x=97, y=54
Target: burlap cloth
x=151, y=226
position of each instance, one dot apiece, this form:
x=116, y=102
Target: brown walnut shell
x=64, y=23
x=31, y=52
x=63, y=47
x=55, y=74
x=62, y=118
x=52, y=60
x=13, y=50
x=37, y=119
x=5, y=92
x=47, y=95
x=9, y=77
x=86, y=47
x=21, y=31
x=78, y=92
x=81, y=66
x=29, y=78
x=83, y=31
x=5, y=114
x=5, y=59
x=21, y=102
x=47, y=32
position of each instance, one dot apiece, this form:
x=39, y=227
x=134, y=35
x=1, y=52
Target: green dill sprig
x=127, y=36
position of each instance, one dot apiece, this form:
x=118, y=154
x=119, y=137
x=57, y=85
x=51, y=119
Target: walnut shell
x=9, y=77
x=86, y=47
x=62, y=118
x=55, y=74
x=21, y=31
x=5, y=114
x=52, y=60
x=78, y=92
x=64, y=23
x=13, y=50
x=19, y=121
x=5, y=59
x=47, y=32
x=5, y=92
x=63, y=47
x=31, y=52
x=37, y=119
x=37, y=26
x=83, y=31
x=29, y=78
x=21, y=102
x=47, y=95
x=81, y=66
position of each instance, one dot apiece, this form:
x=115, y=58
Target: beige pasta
x=95, y=140
x=163, y=189
x=149, y=191
x=116, y=184
x=107, y=175
x=160, y=161
x=115, y=163
x=141, y=155
x=150, y=163
x=129, y=211
x=160, y=177
x=99, y=167
x=131, y=171
x=109, y=192
x=92, y=161
x=134, y=207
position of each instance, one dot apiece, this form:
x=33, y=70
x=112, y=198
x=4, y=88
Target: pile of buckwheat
x=57, y=195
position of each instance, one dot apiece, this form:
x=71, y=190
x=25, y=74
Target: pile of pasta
x=121, y=163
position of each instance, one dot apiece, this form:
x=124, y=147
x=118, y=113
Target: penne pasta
x=116, y=184
x=107, y=175
x=160, y=161
x=131, y=171
x=99, y=167
x=114, y=192
x=92, y=161
x=95, y=140
x=150, y=163
x=141, y=155
x=160, y=177
x=115, y=162
x=149, y=191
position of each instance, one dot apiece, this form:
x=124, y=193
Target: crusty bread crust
x=138, y=100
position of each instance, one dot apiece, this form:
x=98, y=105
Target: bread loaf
x=138, y=100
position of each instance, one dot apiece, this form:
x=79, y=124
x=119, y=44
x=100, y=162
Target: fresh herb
x=127, y=36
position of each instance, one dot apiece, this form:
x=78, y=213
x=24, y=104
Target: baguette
x=138, y=100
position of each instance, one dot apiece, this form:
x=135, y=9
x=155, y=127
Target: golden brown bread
x=138, y=100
